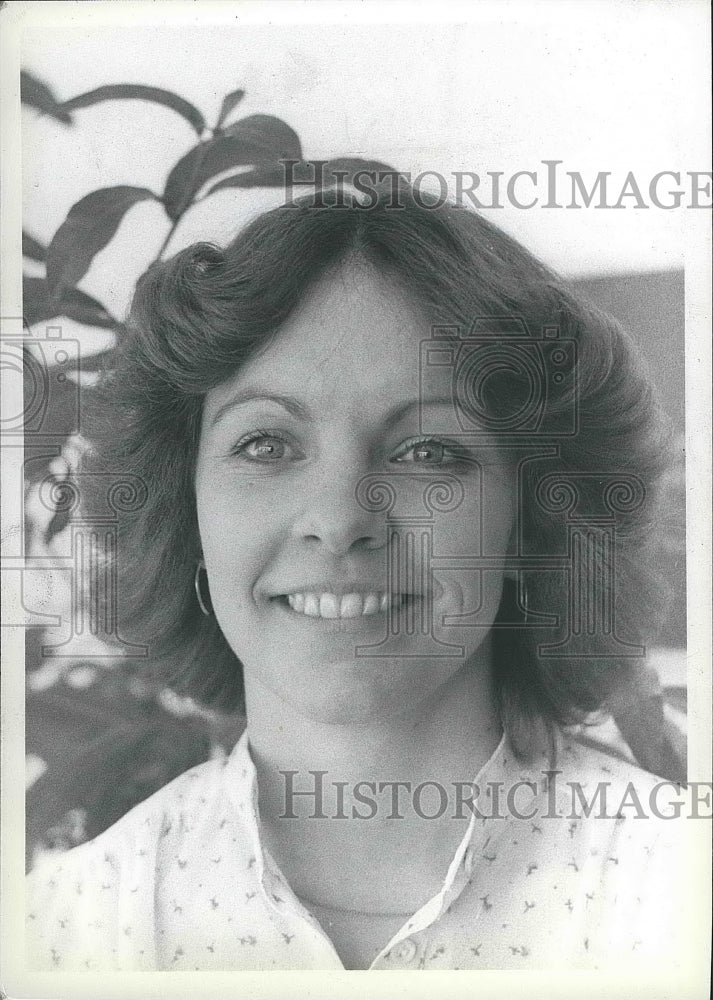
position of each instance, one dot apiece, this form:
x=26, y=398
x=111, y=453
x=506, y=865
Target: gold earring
x=197, y=584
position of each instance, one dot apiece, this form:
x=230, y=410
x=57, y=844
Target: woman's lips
x=348, y=603
x=352, y=605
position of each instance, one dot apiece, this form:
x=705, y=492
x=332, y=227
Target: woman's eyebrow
x=400, y=411
x=256, y=395
x=298, y=409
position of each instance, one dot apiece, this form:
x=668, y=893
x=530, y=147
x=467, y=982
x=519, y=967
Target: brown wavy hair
x=196, y=318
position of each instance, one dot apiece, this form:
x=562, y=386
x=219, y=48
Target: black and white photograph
x=356, y=460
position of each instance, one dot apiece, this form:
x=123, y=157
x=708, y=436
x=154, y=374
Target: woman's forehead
x=354, y=328
x=356, y=300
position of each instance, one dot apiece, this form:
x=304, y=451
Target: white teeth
x=297, y=602
x=352, y=606
x=312, y=605
x=328, y=605
x=371, y=604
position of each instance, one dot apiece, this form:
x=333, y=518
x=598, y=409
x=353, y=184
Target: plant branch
x=169, y=236
x=191, y=201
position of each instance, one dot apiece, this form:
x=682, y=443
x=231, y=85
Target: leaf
x=76, y=304
x=38, y=305
x=254, y=141
x=302, y=173
x=230, y=101
x=267, y=176
x=35, y=300
x=137, y=91
x=98, y=362
x=38, y=95
x=32, y=248
x=88, y=228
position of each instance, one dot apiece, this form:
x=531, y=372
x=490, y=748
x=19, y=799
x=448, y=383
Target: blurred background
x=601, y=86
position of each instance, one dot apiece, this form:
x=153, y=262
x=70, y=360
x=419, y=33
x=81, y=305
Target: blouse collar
x=501, y=769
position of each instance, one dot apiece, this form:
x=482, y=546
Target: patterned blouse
x=183, y=882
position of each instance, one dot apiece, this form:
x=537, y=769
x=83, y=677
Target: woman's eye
x=427, y=452
x=432, y=452
x=262, y=448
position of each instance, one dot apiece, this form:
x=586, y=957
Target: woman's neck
x=449, y=736
x=340, y=825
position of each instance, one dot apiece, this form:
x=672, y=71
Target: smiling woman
x=291, y=555
x=399, y=486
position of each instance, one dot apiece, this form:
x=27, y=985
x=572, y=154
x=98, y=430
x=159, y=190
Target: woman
x=398, y=482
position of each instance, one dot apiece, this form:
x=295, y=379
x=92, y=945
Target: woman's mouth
x=354, y=605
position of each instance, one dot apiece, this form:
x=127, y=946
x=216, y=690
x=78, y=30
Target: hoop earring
x=197, y=585
x=523, y=599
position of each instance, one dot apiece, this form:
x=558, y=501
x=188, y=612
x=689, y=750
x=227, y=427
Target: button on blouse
x=406, y=950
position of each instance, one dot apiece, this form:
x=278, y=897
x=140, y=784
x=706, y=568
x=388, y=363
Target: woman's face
x=297, y=562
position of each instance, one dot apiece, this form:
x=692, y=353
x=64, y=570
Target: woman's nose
x=333, y=515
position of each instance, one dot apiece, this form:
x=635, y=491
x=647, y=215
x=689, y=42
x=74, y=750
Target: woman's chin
x=359, y=691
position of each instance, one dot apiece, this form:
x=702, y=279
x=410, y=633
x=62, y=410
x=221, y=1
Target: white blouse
x=183, y=882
